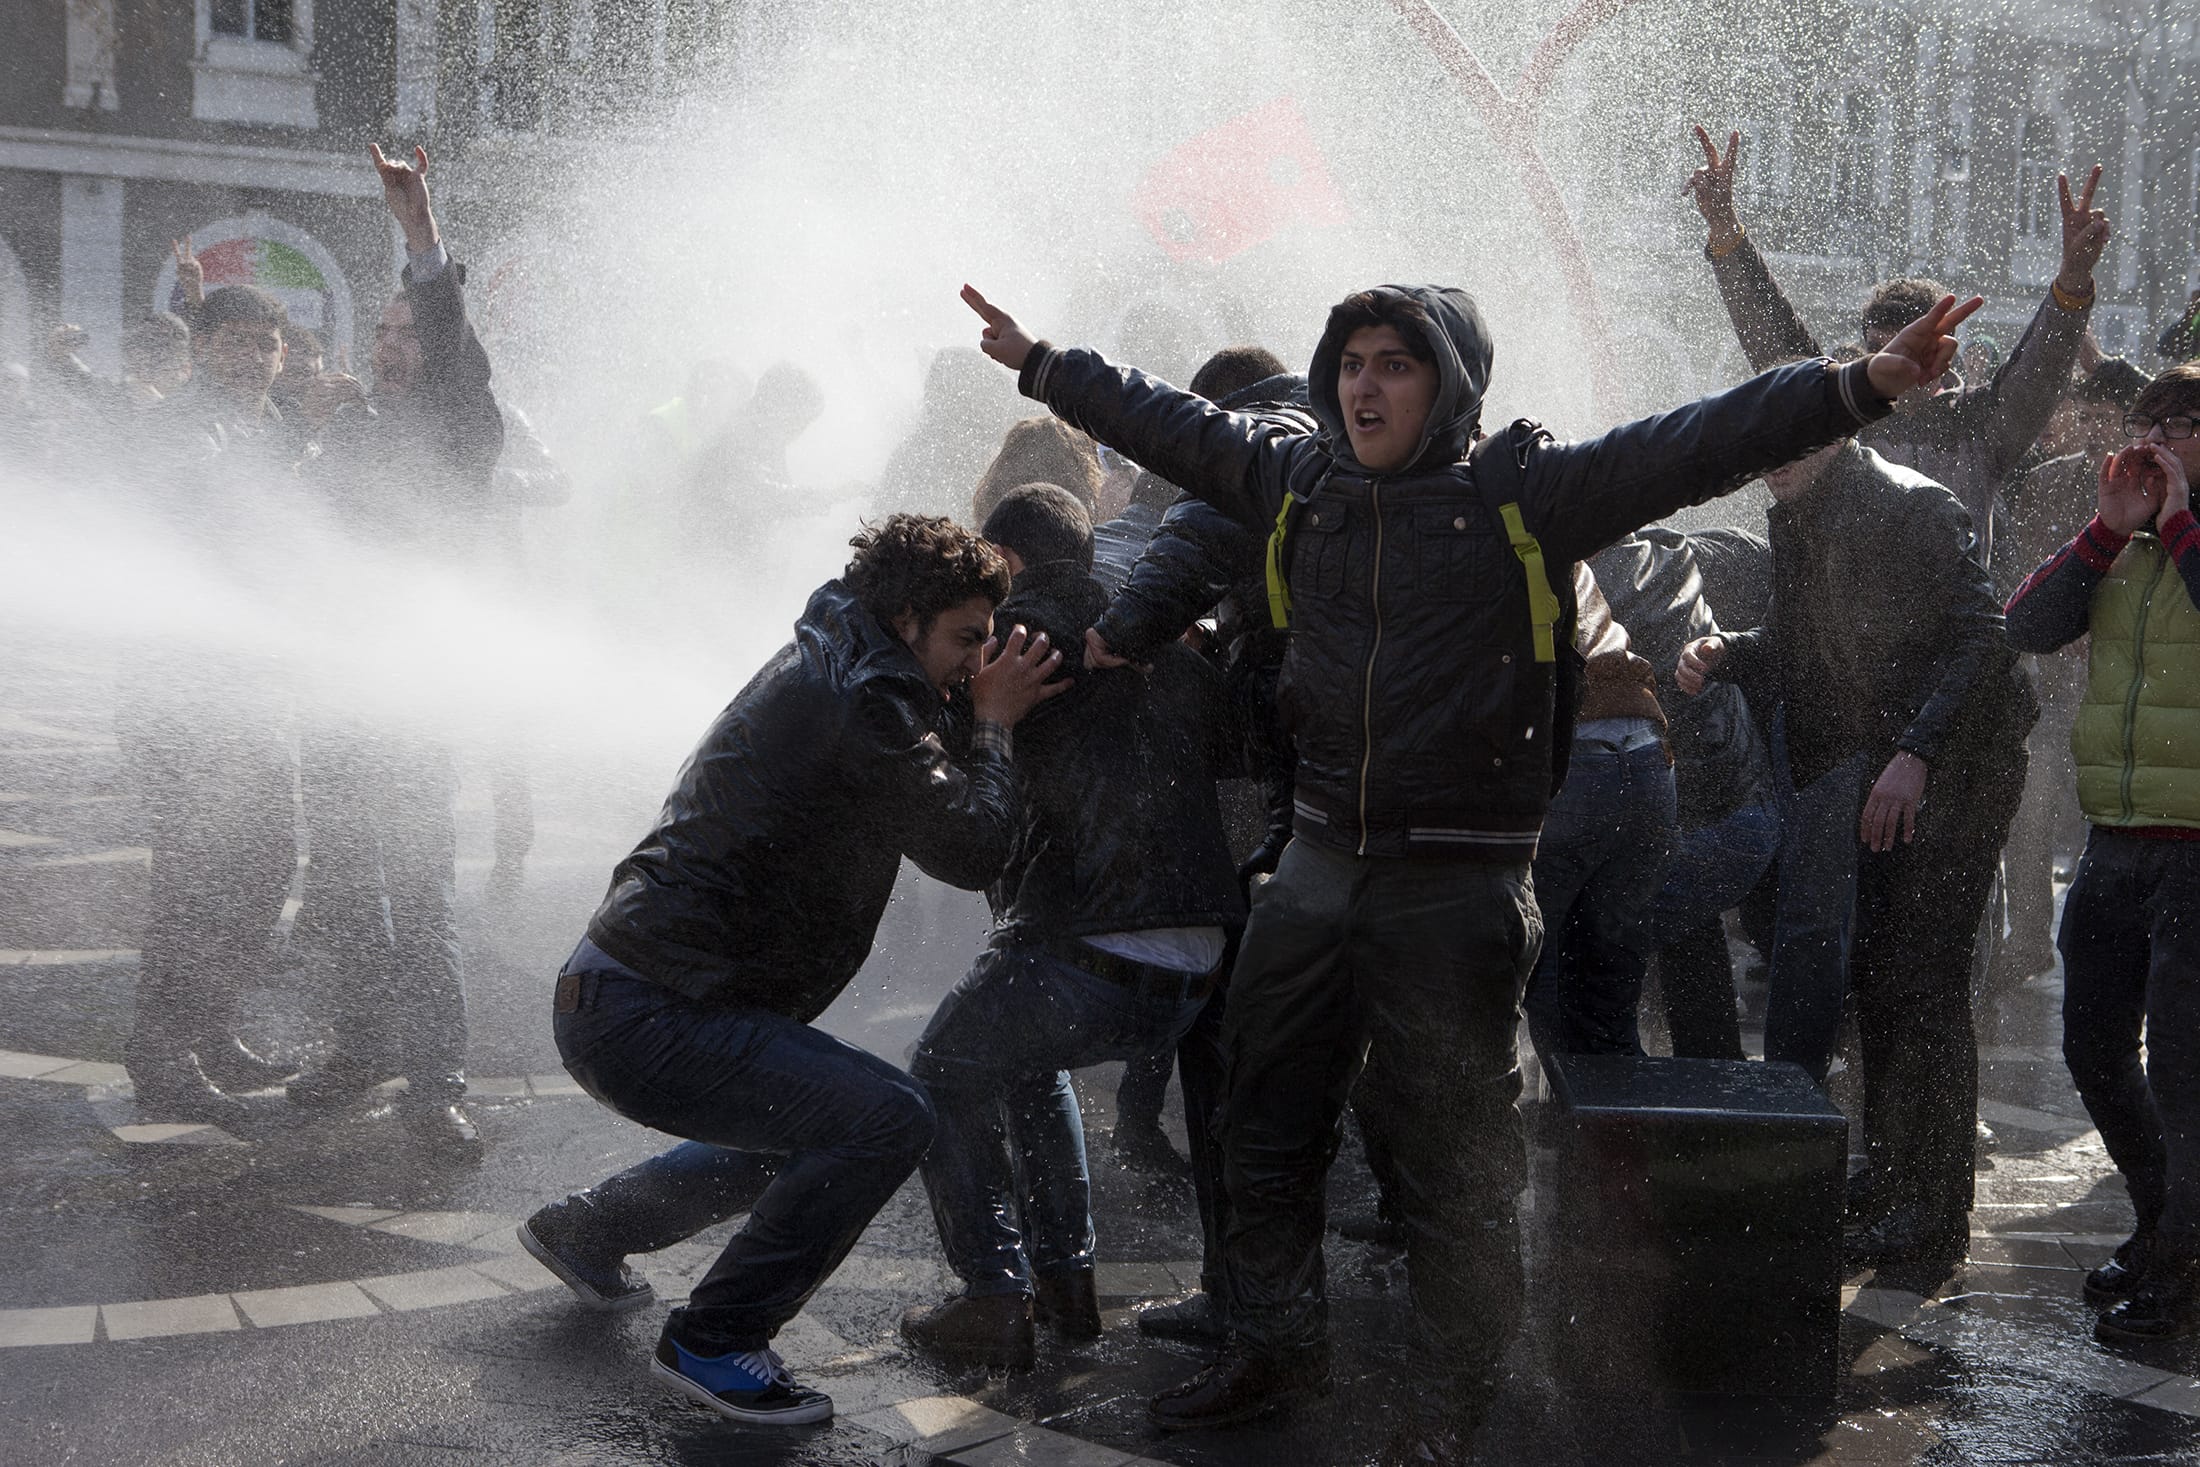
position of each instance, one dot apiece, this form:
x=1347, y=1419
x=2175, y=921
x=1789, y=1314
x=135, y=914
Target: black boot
x=1197, y=1316
x=236, y=1068
x=445, y=1132
x=1373, y=1227
x=1067, y=1303
x=179, y=1091
x=2165, y=1305
x=2117, y=1278
x=1146, y=1148
x=1239, y=1386
x=989, y=1330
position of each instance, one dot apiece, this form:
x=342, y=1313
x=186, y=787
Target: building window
x=252, y=20
x=2039, y=159
x=255, y=63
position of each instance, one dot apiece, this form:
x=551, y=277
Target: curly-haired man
x=744, y=912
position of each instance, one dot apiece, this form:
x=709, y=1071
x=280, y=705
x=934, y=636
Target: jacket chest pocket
x=1318, y=565
x=1457, y=557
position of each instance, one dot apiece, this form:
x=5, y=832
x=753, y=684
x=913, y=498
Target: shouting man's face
x=1386, y=394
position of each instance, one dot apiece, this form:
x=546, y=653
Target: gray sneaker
x=604, y=1284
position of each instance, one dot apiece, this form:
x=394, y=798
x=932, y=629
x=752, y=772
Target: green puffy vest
x=2137, y=737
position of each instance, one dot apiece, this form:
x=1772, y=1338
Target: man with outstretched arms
x=743, y=914
x=1428, y=589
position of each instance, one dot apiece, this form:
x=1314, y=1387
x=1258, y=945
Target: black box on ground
x=1690, y=1222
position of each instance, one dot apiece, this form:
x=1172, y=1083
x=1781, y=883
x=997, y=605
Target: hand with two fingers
x=1924, y=349
x=1712, y=187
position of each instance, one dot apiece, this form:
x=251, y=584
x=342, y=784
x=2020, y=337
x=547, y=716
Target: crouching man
x=1110, y=926
x=1429, y=595
x=743, y=913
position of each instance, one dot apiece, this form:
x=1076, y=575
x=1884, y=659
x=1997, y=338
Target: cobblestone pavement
x=308, y=1292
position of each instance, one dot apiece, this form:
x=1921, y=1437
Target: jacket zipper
x=1367, y=684
x=2138, y=677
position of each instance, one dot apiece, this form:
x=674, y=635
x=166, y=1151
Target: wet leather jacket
x=1423, y=721
x=1884, y=631
x=764, y=878
x=1118, y=829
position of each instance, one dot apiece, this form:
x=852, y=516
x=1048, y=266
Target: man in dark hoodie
x=1429, y=597
x=1111, y=921
x=742, y=915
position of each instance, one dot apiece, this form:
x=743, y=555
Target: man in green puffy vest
x=2130, y=936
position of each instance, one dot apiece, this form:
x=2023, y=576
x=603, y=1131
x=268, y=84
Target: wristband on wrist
x=2068, y=301
x=1720, y=252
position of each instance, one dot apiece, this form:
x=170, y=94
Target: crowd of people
x=1304, y=732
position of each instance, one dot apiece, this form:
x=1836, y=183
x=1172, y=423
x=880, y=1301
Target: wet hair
x=1042, y=523
x=2176, y=392
x=1894, y=304
x=1040, y=451
x=1362, y=309
x=156, y=342
x=922, y=565
x=302, y=343
x=242, y=305
x=1235, y=368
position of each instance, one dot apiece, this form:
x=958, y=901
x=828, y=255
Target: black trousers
x=1414, y=969
x=2131, y=966
x=1918, y=912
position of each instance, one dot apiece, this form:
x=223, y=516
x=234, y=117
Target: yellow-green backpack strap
x=1543, y=608
x=1279, y=590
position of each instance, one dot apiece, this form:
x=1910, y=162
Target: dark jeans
x=1413, y=968
x=221, y=818
x=382, y=896
x=1713, y=868
x=806, y=1134
x=2131, y=965
x=1815, y=917
x=1918, y=908
x=1597, y=871
x=996, y=1059
x=1203, y=1071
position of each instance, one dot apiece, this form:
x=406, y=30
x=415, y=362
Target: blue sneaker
x=749, y=1385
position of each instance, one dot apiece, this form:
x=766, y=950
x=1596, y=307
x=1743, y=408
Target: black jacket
x=1884, y=631
x=419, y=471
x=764, y=878
x=1423, y=722
x=1119, y=829
x=1657, y=591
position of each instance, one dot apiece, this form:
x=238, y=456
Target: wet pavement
x=304, y=1290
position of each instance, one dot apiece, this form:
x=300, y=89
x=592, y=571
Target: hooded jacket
x=1119, y=829
x=1423, y=721
x=1884, y=632
x=764, y=878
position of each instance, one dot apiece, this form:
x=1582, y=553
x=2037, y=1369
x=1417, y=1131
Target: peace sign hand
x=1923, y=351
x=1713, y=188
x=2085, y=234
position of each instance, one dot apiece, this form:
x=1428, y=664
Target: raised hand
x=2085, y=234
x=329, y=394
x=1924, y=350
x=1002, y=339
x=405, y=190
x=2132, y=488
x=1712, y=186
x=190, y=274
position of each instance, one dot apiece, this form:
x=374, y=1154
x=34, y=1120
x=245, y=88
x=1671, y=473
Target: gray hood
x=1462, y=347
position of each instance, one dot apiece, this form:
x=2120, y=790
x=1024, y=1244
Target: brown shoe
x=1068, y=1304
x=990, y=1330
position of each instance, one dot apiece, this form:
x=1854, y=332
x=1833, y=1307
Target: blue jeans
x=1596, y=873
x=806, y=1134
x=1815, y=917
x=996, y=1058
